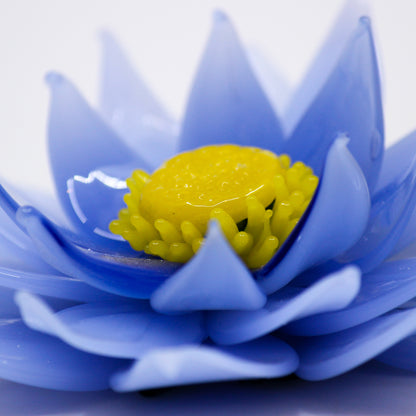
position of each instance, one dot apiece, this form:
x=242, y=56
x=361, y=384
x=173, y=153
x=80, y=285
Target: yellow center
x=256, y=196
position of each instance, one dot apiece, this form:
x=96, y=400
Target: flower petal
x=385, y=288
x=401, y=355
x=391, y=210
x=327, y=356
x=330, y=293
x=349, y=103
x=264, y=358
x=129, y=277
x=80, y=142
x=115, y=329
x=36, y=359
x=227, y=104
x=337, y=219
x=131, y=109
x=215, y=278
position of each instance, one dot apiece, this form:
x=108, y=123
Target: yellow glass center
x=256, y=197
x=190, y=185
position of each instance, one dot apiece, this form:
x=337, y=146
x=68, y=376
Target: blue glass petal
x=131, y=277
x=80, y=142
x=122, y=330
x=349, y=103
x=227, y=104
x=131, y=109
x=401, y=355
x=215, y=278
x=336, y=221
x=333, y=292
x=29, y=357
x=263, y=358
x=327, y=356
x=385, y=288
x=391, y=210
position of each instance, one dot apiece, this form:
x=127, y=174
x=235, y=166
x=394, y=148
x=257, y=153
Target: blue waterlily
x=92, y=313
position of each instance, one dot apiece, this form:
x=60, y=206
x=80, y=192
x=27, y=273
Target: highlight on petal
x=129, y=106
x=385, y=288
x=227, y=104
x=116, y=329
x=349, y=103
x=40, y=360
x=264, y=358
x=327, y=356
x=79, y=143
x=337, y=219
x=390, y=213
x=215, y=278
x=331, y=293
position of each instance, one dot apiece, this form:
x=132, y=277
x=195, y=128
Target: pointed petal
x=264, y=358
x=349, y=103
x=131, y=109
x=333, y=292
x=227, y=104
x=79, y=142
x=327, y=356
x=215, y=278
x=114, y=329
x=131, y=277
x=390, y=213
x=336, y=221
x=29, y=357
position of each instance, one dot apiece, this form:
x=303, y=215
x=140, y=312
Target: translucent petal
x=263, y=358
x=327, y=356
x=227, y=104
x=131, y=109
x=349, y=103
x=385, y=288
x=391, y=210
x=122, y=330
x=80, y=142
x=336, y=221
x=29, y=357
x=215, y=278
x=131, y=277
x=333, y=292
x=401, y=355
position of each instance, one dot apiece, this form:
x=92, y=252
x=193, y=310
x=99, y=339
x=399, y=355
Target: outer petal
x=227, y=104
x=215, y=278
x=80, y=142
x=115, y=329
x=131, y=109
x=32, y=358
x=330, y=355
x=336, y=221
x=333, y=292
x=264, y=358
x=349, y=103
x=385, y=288
x=401, y=355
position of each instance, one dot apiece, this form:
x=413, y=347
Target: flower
x=95, y=314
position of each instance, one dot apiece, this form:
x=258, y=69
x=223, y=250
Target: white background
x=165, y=39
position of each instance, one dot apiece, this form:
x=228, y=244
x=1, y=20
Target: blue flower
x=95, y=314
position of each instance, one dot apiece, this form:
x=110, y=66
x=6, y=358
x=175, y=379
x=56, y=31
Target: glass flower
x=92, y=314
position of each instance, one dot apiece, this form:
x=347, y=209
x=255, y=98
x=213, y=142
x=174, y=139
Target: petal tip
x=219, y=16
x=54, y=78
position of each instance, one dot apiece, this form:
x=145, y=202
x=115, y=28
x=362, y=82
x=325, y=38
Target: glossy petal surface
x=336, y=221
x=36, y=359
x=349, y=103
x=385, y=288
x=330, y=355
x=331, y=293
x=115, y=329
x=264, y=358
x=131, y=109
x=227, y=104
x=215, y=278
